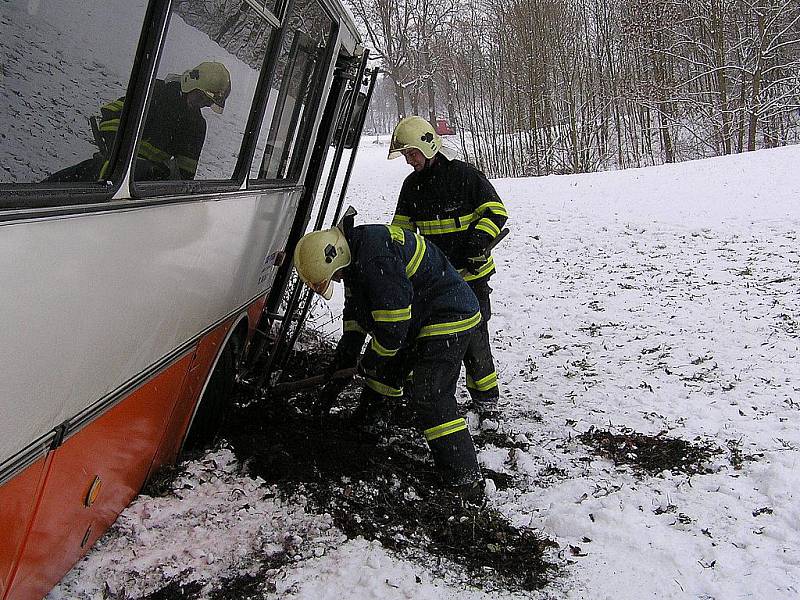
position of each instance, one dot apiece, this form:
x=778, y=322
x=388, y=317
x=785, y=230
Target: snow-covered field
x=654, y=300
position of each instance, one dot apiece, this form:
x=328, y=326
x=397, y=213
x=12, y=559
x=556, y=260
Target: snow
x=657, y=299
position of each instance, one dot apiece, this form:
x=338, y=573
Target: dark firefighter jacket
x=398, y=288
x=453, y=204
x=172, y=129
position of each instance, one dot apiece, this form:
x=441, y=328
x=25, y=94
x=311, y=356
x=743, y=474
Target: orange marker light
x=94, y=491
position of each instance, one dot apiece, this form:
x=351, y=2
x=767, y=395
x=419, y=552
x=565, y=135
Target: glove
x=330, y=391
x=474, y=248
x=328, y=396
x=333, y=386
x=475, y=263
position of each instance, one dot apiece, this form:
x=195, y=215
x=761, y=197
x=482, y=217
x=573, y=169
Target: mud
x=381, y=484
x=651, y=454
x=378, y=484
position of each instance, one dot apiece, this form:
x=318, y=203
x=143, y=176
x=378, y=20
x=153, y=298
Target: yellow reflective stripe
x=354, y=326
x=186, y=164
x=488, y=226
x=104, y=170
x=150, y=152
x=451, y=327
x=403, y=222
x=495, y=207
x=380, y=350
x=484, y=270
x=440, y=226
x=445, y=429
x=109, y=125
x=383, y=389
x=484, y=384
x=416, y=260
x=397, y=234
x=114, y=106
x=392, y=316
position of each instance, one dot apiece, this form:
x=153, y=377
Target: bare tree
x=544, y=86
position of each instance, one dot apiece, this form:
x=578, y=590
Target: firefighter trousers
x=478, y=360
x=436, y=362
x=437, y=366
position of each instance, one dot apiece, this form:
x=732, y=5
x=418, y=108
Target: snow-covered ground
x=655, y=300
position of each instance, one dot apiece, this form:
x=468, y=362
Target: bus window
x=203, y=92
x=60, y=62
x=290, y=107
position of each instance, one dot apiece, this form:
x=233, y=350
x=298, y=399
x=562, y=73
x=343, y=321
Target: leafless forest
x=568, y=86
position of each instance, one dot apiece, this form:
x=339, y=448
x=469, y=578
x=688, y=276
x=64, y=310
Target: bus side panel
x=17, y=501
x=133, y=285
x=117, y=448
x=207, y=351
x=254, y=315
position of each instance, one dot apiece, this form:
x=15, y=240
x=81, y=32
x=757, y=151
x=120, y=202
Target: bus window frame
x=277, y=114
x=49, y=199
x=25, y=196
x=317, y=97
x=241, y=179
x=316, y=100
x=37, y=200
x=191, y=187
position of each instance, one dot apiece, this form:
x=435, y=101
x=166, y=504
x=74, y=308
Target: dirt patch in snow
x=243, y=587
x=177, y=591
x=382, y=485
x=651, y=454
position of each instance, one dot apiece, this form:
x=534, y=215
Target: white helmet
x=318, y=256
x=211, y=78
x=414, y=132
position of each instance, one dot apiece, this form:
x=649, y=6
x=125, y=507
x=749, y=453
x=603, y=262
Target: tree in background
x=563, y=86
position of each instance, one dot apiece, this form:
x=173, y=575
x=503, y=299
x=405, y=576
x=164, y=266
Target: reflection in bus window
x=228, y=41
x=287, y=123
x=175, y=130
x=59, y=62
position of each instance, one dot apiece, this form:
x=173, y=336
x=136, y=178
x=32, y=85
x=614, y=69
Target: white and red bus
x=134, y=273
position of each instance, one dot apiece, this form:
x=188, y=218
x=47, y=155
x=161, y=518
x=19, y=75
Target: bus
x=159, y=159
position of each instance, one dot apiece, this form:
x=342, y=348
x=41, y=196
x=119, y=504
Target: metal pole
x=363, y=117
x=340, y=204
x=281, y=351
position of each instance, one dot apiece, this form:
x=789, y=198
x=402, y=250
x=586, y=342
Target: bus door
x=296, y=81
x=347, y=104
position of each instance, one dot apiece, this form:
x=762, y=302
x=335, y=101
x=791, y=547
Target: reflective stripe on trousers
x=437, y=365
x=478, y=360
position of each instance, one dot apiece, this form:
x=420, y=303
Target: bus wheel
x=216, y=401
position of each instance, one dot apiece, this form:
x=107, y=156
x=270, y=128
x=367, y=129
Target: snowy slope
x=659, y=299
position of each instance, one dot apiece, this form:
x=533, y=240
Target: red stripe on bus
x=118, y=448
x=17, y=504
x=205, y=353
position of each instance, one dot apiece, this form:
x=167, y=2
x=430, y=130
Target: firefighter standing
x=419, y=312
x=452, y=203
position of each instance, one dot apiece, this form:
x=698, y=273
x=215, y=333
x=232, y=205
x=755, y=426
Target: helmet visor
x=217, y=101
x=396, y=149
x=323, y=288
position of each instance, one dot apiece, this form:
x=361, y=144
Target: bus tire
x=216, y=402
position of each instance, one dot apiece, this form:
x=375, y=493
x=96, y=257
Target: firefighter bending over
x=174, y=132
x=452, y=203
x=418, y=310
